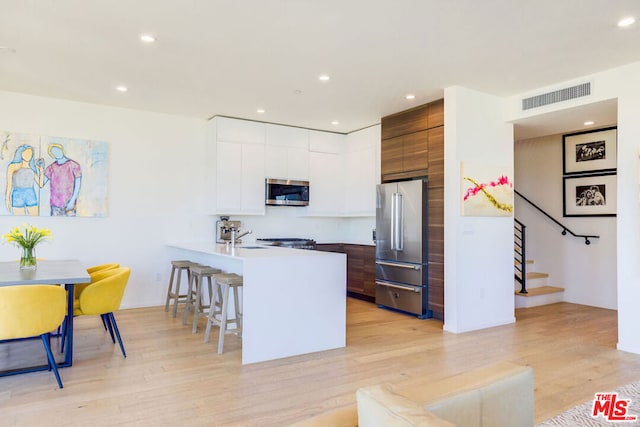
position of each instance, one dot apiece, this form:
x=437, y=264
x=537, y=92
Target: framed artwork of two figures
x=51, y=176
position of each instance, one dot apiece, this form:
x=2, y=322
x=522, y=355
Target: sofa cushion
x=509, y=399
x=462, y=409
x=497, y=401
x=379, y=406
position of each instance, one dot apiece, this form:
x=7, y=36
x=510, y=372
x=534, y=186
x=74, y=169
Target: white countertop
x=245, y=251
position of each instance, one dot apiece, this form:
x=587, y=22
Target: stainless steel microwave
x=286, y=192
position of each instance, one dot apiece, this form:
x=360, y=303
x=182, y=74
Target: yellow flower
x=27, y=237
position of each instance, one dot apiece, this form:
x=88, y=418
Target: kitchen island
x=294, y=300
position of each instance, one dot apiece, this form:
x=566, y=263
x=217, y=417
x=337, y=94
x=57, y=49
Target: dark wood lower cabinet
x=361, y=268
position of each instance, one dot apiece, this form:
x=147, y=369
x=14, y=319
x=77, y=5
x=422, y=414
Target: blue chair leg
x=50, y=359
x=110, y=326
x=112, y=320
x=104, y=321
x=63, y=336
x=49, y=344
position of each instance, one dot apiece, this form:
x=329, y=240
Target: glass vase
x=28, y=259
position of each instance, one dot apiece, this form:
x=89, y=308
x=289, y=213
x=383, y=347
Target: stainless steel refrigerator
x=401, y=247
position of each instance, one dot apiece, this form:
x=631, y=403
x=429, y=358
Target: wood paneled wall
x=361, y=268
x=412, y=147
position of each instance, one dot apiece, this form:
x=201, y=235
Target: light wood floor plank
x=171, y=377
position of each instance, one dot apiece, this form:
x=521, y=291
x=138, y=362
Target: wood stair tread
x=542, y=290
x=529, y=261
x=534, y=275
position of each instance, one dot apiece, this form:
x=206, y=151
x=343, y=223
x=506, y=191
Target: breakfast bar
x=294, y=300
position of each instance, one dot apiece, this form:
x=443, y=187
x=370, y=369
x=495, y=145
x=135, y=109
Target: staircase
x=531, y=288
x=538, y=291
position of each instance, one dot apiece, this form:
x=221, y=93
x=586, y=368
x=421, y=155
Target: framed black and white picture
x=589, y=152
x=590, y=195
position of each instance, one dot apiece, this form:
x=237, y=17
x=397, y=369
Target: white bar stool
x=218, y=310
x=194, y=293
x=179, y=266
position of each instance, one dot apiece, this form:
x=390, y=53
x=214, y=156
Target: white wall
x=478, y=250
x=155, y=188
x=286, y=221
x=587, y=273
x=621, y=83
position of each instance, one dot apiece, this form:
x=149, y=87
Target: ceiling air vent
x=560, y=95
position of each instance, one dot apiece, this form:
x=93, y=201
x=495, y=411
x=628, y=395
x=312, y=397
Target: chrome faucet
x=235, y=237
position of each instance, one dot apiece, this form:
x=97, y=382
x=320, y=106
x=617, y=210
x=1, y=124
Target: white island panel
x=294, y=300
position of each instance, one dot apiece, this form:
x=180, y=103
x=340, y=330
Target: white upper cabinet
x=326, y=194
x=240, y=166
x=360, y=184
x=236, y=130
x=252, y=191
x=326, y=142
x=297, y=164
x=240, y=178
x=287, y=136
x=275, y=162
x=362, y=172
x=229, y=177
x=287, y=152
x=342, y=170
x=326, y=174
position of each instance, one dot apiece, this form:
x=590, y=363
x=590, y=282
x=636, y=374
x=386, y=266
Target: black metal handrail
x=565, y=230
x=519, y=255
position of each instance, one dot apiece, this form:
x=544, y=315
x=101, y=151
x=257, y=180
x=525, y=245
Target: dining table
x=65, y=273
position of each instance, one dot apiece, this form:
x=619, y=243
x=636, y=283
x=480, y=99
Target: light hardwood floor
x=171, y=377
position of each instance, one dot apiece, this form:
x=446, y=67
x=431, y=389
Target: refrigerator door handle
x=399, y=222
x=394, y=202
x=394, y=264
x=393, y=285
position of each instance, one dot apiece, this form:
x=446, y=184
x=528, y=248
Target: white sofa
x=499, y=395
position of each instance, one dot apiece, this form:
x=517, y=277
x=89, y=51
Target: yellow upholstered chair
x=95, y=274
x=32, y=310
x=103, y=297
x=78, y=288
x=102, y=267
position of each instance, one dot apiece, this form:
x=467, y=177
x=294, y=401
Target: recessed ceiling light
x=625, y=22
x=147, y=38
x=335, y=122
x=7, y=49
x=410, y=96
x=297, y=92
x=589, y=123
x=324, y=77
x=122, y=89
x=260, y=111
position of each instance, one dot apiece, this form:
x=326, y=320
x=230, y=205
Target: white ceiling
x=231, y=57
x=604, y=113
